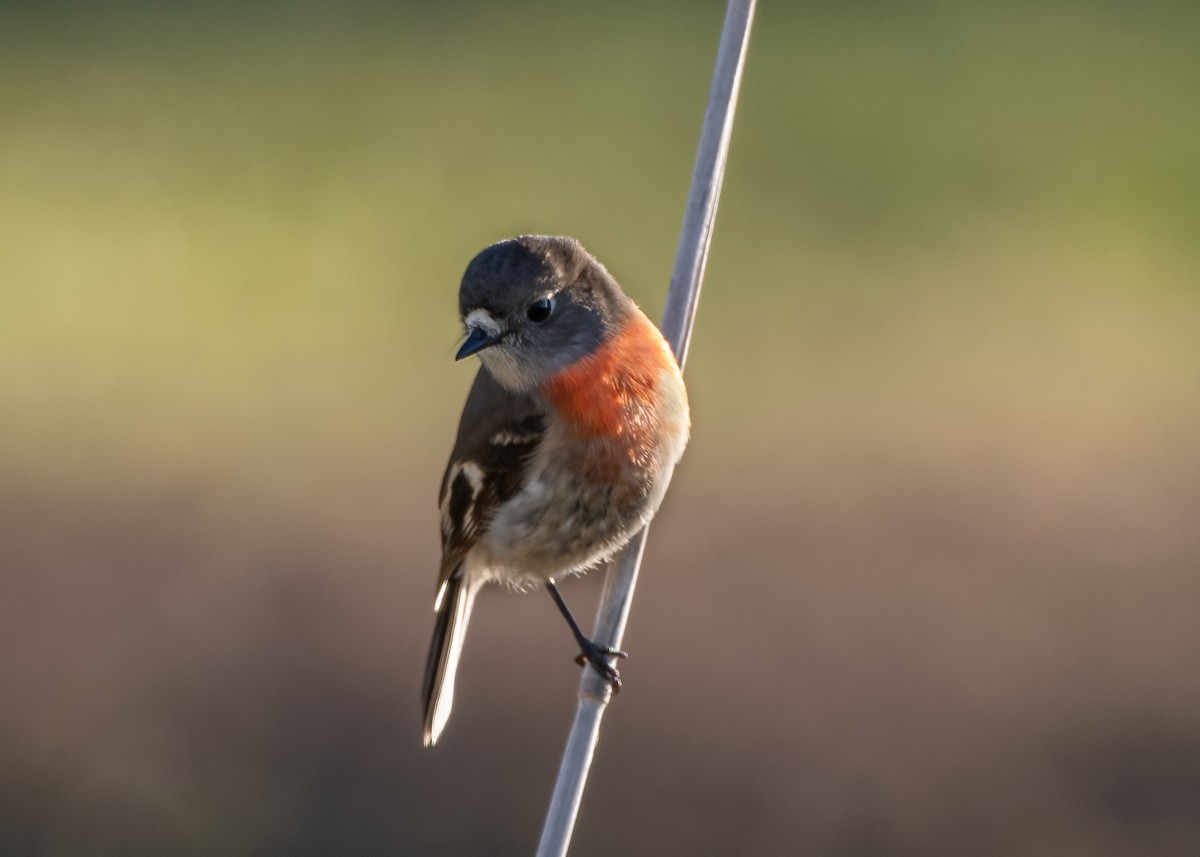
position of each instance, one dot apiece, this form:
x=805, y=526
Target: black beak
x=476, y=342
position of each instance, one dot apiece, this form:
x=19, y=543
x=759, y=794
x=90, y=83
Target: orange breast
x=612, y=392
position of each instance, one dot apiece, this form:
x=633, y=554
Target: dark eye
x=539, y=311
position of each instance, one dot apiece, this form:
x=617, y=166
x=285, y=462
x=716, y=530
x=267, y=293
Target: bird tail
x=453, y=608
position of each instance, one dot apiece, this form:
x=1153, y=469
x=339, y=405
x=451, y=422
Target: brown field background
x=927, y=582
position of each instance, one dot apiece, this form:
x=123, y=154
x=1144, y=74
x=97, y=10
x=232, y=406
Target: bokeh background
x=926, y=583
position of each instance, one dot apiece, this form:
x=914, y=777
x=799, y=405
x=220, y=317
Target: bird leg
x=589, y=652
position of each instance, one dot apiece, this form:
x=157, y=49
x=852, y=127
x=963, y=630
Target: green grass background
x=931, y=545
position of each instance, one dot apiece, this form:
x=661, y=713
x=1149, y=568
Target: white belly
x=564, y=522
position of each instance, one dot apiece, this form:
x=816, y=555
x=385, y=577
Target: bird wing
x=498, y=433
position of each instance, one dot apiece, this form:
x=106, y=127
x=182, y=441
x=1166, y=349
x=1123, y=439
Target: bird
x=571, y=429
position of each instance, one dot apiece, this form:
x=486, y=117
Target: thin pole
x=678, y=318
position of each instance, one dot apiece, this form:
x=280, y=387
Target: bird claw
x=597, y=657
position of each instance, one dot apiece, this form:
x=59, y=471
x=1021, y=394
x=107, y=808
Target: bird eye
x=539, y=311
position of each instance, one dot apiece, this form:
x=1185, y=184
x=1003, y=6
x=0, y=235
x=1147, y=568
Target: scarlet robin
x=566, y=443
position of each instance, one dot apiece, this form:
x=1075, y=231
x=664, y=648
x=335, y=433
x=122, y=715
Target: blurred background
x=926, y=582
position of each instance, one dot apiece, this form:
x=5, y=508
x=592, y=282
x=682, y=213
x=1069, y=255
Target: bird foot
x=597, y=656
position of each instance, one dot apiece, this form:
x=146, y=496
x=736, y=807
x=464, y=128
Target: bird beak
x=477, y=340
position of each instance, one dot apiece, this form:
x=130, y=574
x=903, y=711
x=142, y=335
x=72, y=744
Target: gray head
x=534, y=304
